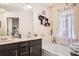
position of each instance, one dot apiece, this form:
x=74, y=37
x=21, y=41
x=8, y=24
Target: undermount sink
x=4, y=39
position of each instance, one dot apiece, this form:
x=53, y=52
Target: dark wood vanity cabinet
x=23, y=49
x=8, y=50
x=26, y=48
x=9, y=53
x=35, y=48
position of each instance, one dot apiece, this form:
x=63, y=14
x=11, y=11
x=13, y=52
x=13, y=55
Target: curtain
x=66, y=29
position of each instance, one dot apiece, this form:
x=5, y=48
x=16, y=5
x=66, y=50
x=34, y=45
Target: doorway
x=12, y=25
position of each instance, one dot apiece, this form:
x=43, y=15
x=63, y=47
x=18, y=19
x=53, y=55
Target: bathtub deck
x=55, y=50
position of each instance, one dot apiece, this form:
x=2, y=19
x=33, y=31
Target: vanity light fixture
x=27, y=6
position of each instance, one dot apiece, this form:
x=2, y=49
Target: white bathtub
x=50, y=49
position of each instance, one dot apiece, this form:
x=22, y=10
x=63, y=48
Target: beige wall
x=55, y=18
x=76, y=20
x=38, y=28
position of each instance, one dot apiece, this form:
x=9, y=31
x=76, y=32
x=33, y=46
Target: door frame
x=7, y=22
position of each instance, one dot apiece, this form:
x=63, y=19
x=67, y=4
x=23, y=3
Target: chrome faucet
x=54, y=40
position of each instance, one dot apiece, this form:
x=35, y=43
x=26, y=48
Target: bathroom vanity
x=20, y=47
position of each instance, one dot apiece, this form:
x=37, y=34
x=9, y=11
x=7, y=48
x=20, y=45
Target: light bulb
x=29, y=6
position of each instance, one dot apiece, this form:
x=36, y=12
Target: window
x=66, y=29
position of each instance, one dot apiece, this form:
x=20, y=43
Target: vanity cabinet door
x=8, y=50
x=23, y=49
x=35, y=47
x=9, y=53
x=35, y=50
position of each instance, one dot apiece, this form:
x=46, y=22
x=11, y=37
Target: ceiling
x=19, y=6
x=12, y=6
x=45, y=4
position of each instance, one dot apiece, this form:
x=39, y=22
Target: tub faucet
x=54, y=40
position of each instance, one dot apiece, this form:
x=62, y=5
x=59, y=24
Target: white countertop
x=15, y=40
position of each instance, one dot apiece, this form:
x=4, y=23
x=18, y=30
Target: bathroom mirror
x=16, y=16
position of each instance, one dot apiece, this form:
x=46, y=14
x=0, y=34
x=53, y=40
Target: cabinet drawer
x=24, y=53
x=8, y=47
x=23, y=49
x=22, y=44
x=9, y=53
x=37, y=41
x=35, y=50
